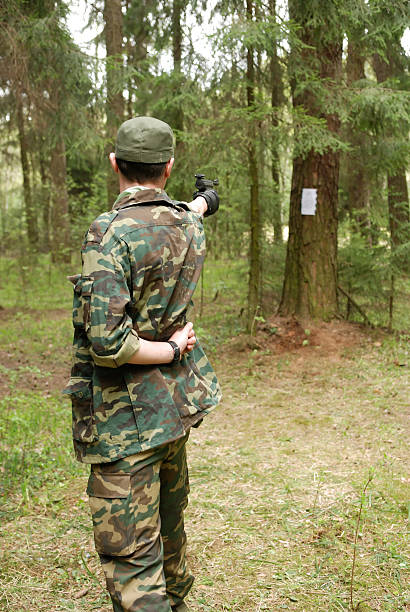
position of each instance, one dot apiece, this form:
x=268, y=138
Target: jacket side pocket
x=82, y=302
x=81, y=393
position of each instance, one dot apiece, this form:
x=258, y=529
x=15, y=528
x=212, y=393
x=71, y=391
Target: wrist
x=199, y=205
x=202, y=204
x=170, y=353
x=211, y=198
x=176, y=352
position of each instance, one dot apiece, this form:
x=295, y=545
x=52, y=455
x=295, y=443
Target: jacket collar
x=141, y=195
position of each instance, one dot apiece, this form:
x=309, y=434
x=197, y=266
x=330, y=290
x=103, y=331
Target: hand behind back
x=185, y=338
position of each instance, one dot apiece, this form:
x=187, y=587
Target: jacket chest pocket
x=81, y=392
x=82, y=302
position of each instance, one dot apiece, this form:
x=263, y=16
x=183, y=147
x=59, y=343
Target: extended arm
x=205, y=202
x=199, y=205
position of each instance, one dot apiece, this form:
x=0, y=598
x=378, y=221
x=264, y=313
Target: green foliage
x=62, y=90
x=363, y=268
x=381, y=112
x=366, y=273
x=312, y=133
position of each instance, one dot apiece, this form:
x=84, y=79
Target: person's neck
x=125, y=184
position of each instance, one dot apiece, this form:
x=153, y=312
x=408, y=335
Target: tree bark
x=136, y=29
x=310, y=283
x=115, y=102
x=254, y=246
x=178, y=116
x=398, y=201
x=177, y=8
x=357, y=182
x=60, y=227
x=181, y=186
x=45, y=203
x=31, y=217
x=277, y=99
x=397, y=190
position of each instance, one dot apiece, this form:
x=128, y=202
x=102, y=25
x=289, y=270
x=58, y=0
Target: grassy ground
x=311, y=433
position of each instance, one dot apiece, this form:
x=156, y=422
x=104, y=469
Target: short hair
x=139, y=171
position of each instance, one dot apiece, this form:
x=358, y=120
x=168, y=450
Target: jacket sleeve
x=109, y=329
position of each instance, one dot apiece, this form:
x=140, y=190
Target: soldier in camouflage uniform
x=139, y=379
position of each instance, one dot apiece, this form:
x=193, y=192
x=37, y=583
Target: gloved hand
x=212, y=199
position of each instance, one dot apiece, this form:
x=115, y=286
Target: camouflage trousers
x=137, y=504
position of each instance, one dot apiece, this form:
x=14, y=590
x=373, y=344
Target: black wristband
x=212, y=199
x=177, y=352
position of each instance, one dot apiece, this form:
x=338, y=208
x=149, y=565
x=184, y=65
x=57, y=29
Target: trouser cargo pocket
x=112, y=512
x=81, y=393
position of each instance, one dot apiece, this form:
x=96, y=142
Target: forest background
x=270, y=98
x=276, y=99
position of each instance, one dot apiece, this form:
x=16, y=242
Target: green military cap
x=144, y=139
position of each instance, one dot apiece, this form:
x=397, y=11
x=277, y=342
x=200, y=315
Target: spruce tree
x=113, y=32
x=310, y=283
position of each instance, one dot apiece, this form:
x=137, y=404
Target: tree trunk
x=357, y=182
x=178, y=114
x=136, y=29
x=177, y=8
x=277, y=99
x=310, y=283
x=130, y=59
x=31, y=216
x=60, y=228
x=115, y=100
x=397, y=191
x=398, y=200
x=45, y=203
x=254, y=247
x=181, y=186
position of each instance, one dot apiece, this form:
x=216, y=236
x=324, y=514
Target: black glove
x=212, y=199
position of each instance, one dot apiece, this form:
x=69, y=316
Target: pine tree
x=254, y=222
x=310, y=284
x=388, y=68
x=357, y=180
x=45, y=75
x=113, y=28
x=14, y=77
x=277, y=100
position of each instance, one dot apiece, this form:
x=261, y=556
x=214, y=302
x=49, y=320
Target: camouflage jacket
x=140, y=265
